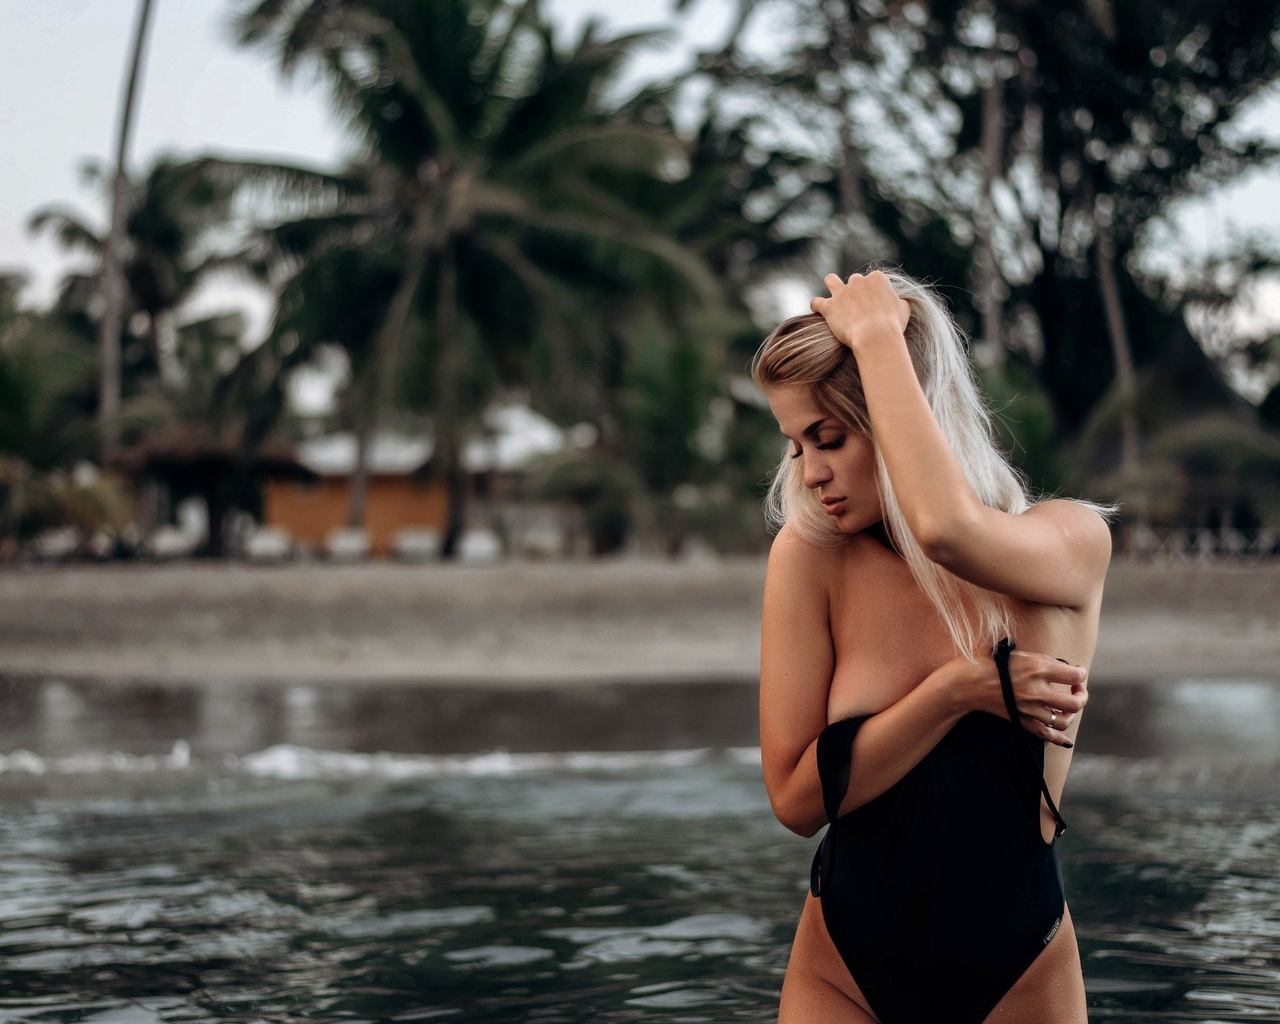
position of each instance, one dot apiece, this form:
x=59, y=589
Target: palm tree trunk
x=381, y=395
x=358, y=491
x=1121, y=351
x=852, y=209
x=448, y=453
x=986, y=265
x=112, y=278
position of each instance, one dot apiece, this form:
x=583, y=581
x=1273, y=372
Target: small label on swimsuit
x=1053, y=931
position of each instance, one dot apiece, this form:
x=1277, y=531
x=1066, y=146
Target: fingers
x=1053, y=718
x=1038, y=728
x=1049, y=692
x=1028, y=666
x=861, y=306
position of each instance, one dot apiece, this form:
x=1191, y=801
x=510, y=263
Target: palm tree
x=46, y=426
x=483, y=145
x=111, y=284
x=173, y=216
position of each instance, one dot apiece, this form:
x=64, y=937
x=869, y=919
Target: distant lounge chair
x=415, y=544
x=479, y=547
x=170, y=542
x=267, y=544
x=56, y=545
x=347, y=544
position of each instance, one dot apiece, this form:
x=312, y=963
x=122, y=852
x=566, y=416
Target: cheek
x=870, y=464
x=863, y=462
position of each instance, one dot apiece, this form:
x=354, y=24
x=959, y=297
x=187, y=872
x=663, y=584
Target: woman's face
x=838, y=461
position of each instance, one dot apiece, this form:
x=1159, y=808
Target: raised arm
x=796, y=665
x=1055, y=553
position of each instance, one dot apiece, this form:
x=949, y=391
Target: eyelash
x=828, y=446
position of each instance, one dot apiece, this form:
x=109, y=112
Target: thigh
x=1051, y=991
x=818, y=988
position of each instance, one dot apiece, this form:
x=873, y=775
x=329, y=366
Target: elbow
x=794, y=819
x=803, y=827
x=940, y=536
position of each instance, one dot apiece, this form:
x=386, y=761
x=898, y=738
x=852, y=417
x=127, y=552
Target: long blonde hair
x=802, y=352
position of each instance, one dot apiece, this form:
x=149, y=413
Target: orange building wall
x=310, y=512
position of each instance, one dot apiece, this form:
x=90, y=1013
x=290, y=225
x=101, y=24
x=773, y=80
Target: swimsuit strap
x=835, y=761
x=1002, y=652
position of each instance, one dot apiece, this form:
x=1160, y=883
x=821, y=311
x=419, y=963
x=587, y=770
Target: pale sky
x=61, y=64
x=61, y=67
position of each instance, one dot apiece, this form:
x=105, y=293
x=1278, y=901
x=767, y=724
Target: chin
x=849, y=524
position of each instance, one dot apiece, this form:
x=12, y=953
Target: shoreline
x=534, y=625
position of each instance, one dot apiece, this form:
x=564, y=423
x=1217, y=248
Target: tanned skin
x=847, y=631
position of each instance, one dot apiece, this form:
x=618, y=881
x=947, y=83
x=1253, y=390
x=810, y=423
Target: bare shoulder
x=1083, y=530
x=794, y=561
x=790, y=550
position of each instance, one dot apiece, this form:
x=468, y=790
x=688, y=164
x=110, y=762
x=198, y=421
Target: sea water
x=237, y=853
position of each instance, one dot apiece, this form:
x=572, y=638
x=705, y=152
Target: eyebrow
x=812, y=429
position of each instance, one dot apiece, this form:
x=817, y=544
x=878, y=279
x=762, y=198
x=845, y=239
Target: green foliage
x=506, y=195
x=42, y=374
x=1025, y=427
x=608, y=497
x=1109, y=114
x=509, y=225
x=44, y=429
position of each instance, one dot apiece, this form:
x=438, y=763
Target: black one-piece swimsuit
x=940, y=892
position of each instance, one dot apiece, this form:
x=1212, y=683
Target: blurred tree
x=174, y=217
x=178, y=232
x=481, y=139
x=42, y=374
x=111, y=285
x=46, y=428
x=1115, y=113
x=674, y=402
x=1025, y=148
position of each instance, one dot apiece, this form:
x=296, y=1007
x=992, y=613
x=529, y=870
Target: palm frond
x=683, y=263
x=621, y=146
x=554, y=315
x=68, y=229
x=298, y=188
x=433, y=106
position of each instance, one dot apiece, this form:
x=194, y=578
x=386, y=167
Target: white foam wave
x=24, y=762
x=286, y=761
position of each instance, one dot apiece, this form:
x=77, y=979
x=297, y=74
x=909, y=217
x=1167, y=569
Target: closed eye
x=825, y=446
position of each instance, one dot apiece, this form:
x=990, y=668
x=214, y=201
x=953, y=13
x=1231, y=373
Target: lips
x=833, y=506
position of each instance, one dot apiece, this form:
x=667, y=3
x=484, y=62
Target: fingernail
x=1068, y=744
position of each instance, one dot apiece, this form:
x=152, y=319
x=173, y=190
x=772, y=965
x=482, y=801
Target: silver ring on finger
x=1053, y=717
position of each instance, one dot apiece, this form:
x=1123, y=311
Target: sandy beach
x=535, y=624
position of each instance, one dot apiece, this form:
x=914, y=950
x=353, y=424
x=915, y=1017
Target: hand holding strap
x=1003, y=650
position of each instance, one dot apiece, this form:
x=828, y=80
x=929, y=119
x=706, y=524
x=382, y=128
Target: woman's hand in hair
x=1049, y=693
x=862, y=310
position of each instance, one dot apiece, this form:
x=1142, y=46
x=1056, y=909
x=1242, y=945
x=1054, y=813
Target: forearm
x=887, y=747
x=893, y=742
x=932, y=490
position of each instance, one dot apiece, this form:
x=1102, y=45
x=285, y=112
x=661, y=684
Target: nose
x=816, y=469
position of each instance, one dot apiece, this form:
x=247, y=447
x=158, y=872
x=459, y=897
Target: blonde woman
x=909, y=560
